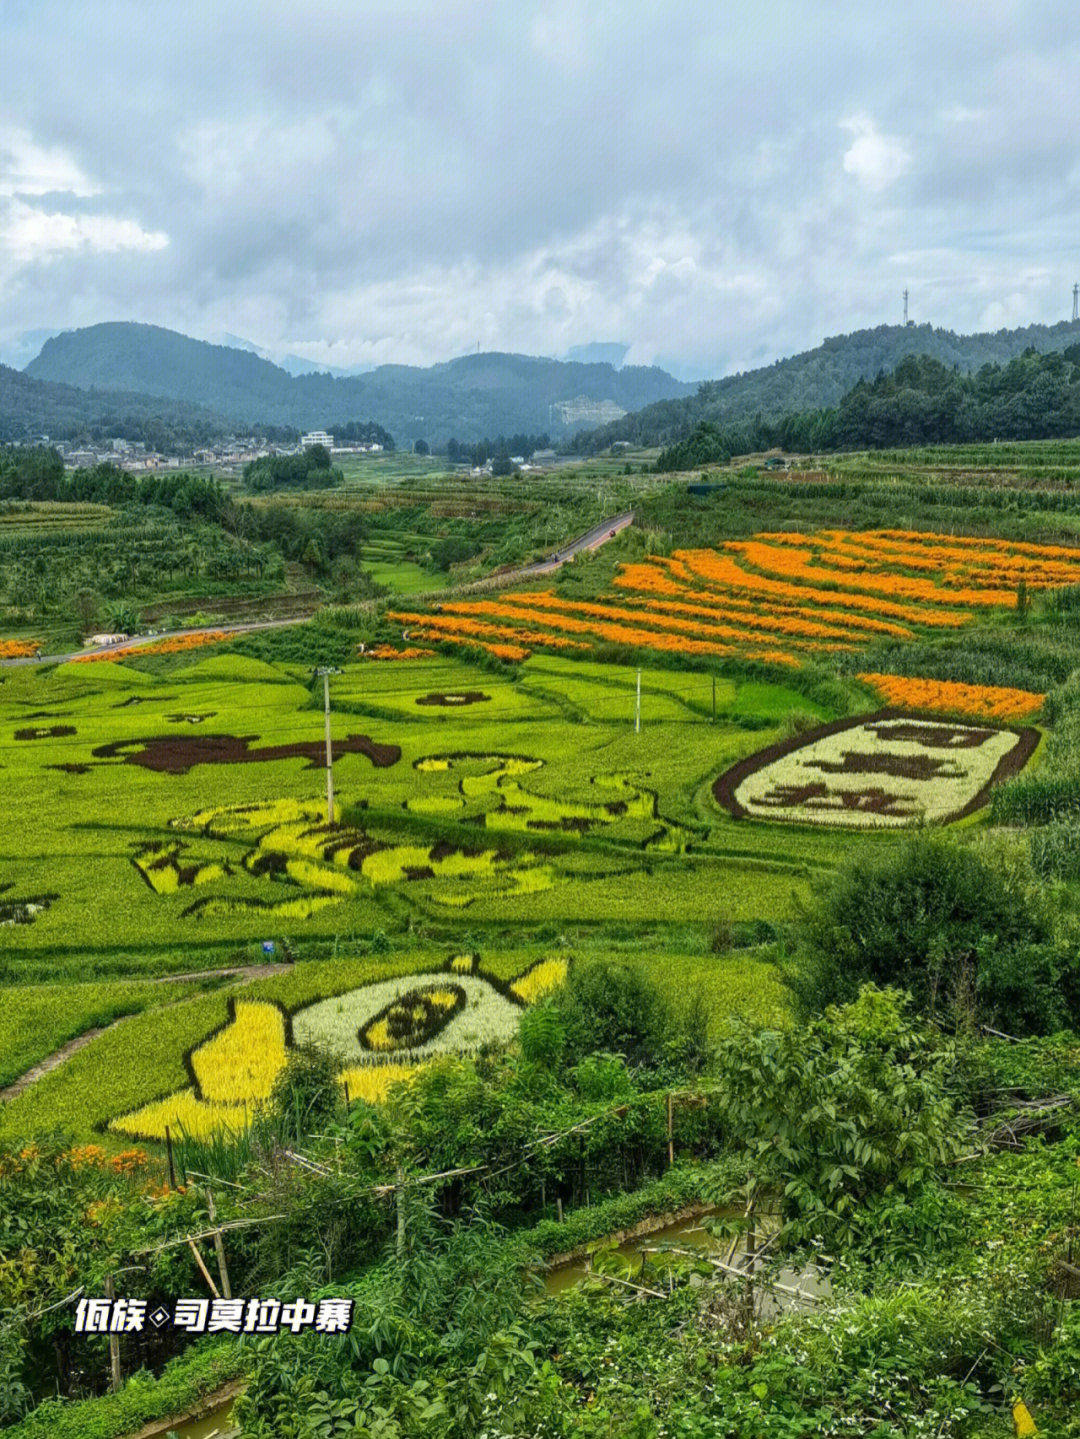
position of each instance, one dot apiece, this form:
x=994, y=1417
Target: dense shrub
x=966, y=934
x=612, y=1008
x=305, y=1095
x=850, y=1113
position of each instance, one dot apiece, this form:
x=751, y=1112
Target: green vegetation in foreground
x=874, y=1109
x=183, y=1382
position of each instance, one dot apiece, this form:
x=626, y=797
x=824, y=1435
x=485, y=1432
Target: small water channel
x=645, y=1257
x=218, y=1424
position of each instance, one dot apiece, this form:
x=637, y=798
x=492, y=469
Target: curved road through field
x=584, y=544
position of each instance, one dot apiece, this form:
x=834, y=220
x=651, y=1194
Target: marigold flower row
x=983, y=701
x=176, y=644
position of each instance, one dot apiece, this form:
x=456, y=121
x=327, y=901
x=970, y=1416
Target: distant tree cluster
x=921, y=402
x=362, y=432
x=309, y=470
x=486, y=449
x=820, y=378
x=39, y=474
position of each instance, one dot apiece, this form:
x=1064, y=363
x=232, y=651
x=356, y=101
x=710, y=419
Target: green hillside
x=31, y=407
x=466, y=398
x=820, y=378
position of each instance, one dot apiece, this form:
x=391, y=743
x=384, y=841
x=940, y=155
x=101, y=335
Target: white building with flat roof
x=317, y=437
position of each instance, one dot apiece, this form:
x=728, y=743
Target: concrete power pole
x=326, y=672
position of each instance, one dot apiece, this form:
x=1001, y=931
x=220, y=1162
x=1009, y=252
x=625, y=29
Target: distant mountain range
x=821, y=377
x=467, y=398
x=141, y=381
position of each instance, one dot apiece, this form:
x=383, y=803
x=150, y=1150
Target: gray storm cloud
x=360, y=183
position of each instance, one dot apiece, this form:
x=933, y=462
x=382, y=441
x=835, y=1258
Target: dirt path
x=244, y=972
x=53, y=1061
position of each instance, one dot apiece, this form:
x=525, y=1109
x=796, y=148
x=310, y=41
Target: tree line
x=921, y=402
x=39, y=474
x=501, y=447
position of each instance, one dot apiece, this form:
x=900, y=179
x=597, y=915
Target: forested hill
x=819, y=378
x=466, y=398
x=31, y=407
x=922, y=402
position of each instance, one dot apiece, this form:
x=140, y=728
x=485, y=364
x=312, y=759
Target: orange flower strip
x=526, y=605
x=983, y=701
x=1021, y=547
x=639, y=579
x=176, y=644
x=721, y=569
x=993, y=566
x=500, y=651
x=632, y=580
x=618, y=634
x=388, y=652
x=18, y=649
x=802, y=564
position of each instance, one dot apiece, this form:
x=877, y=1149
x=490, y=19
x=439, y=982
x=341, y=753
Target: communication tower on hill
x=906, y=320
x=1076, y=302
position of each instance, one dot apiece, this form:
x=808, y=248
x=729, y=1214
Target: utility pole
x=637, y=707
x=326, y=671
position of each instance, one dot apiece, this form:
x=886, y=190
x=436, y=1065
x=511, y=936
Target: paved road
x=590, y=540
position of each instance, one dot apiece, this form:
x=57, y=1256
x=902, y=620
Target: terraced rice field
x=779, y=598
x=204, y=1062
x=187, y=811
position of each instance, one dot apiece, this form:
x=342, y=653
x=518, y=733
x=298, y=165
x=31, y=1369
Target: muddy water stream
x=216, y=1425
x=794, y=1287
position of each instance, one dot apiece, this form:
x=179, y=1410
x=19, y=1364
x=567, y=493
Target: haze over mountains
x=109, y=374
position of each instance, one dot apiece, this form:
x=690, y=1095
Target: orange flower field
x=778, y=598
x=18, y=649
x=176, y=645
x=388, y=652
x=982, y=701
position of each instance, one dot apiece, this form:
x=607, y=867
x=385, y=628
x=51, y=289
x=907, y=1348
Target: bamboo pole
x=219, y=1249
x=202, y=1265
x=114, y=1342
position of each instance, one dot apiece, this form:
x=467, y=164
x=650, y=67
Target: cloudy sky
x=717, y=185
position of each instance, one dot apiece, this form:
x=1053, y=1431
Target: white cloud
x=875, y=160
x=27, y=168
x=962, y=115
x=28, y=233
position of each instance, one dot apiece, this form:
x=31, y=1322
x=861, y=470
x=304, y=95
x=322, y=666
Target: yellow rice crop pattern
x=184, y=1114
x=240, y=1063
x=539, y=981
x=372, y=1082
